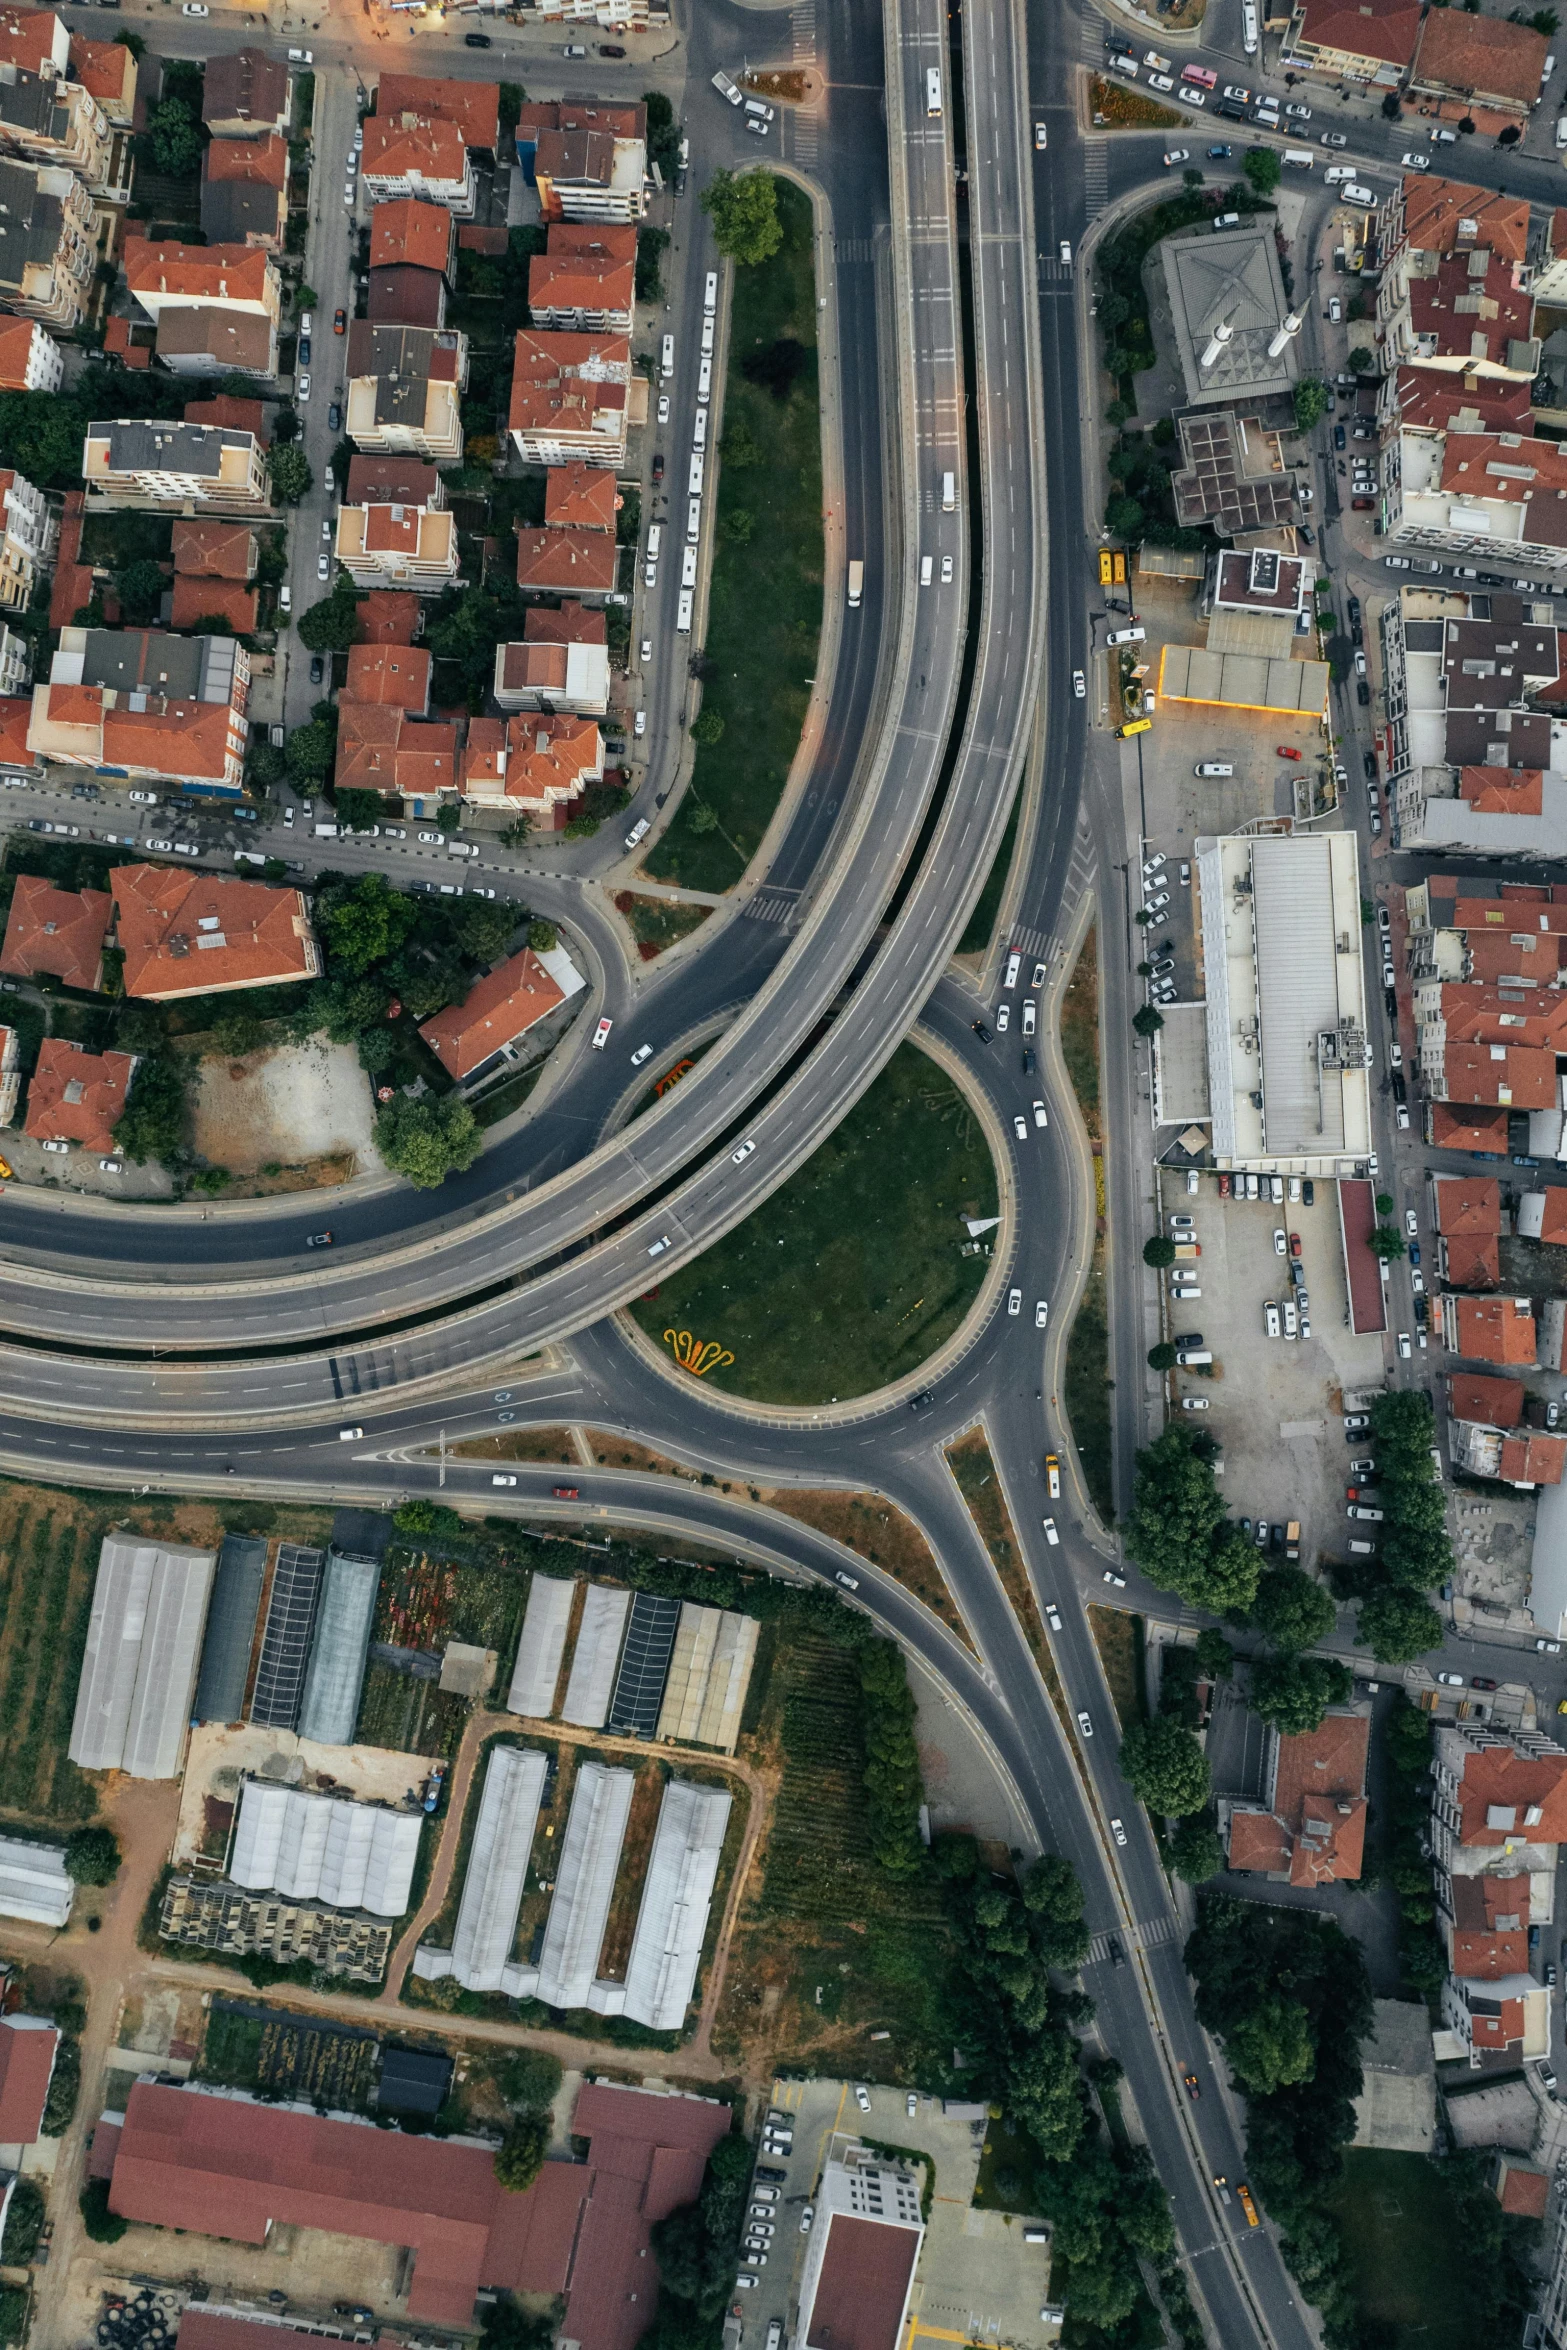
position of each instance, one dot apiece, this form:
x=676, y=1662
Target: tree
x=1397, y=1626
x=1161, y=1357
x=309, y=752
x=306, y=298
x=1177, y=1530
x=1125, y=519
x=288, y=469
x=1291, y=1609
x=663, y=134
x=448, y=817
x=1391, y=109
x=1165, y=1767
x=1509, y=135
x=134, y=42
x=152, y=1123
x=1272, y=2047
x=528, y=2077
x=332, y=625
x=743, y=208
x=484, y=930
x=1195, y=1851
x=1361, y=360
x=1263, y=169
x=103, y=2225
x=238, y=1030
x=1159, y=1252
x=92, y=1856
x=1311, y=403
x=1215, y=1656
x=139, y=587
x=1386, y=1242
x=543, y=937
x=521, y=2155
x=358, y=810
x=365, y=923
x=1147, y=1021
x=175, y=140
x=1292, y=1693
x=708, y=728
x=427, y=1141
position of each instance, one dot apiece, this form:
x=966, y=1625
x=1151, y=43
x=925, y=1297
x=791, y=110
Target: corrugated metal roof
x=541, y=1648
x=1297, y=994
x=231, y=1629
x=682, y=1868
x=324, y=1848
x=497, y=1865
x=336, y=1672
x=593, y=1665
x=285, y=1645
x=584, y=1883
x=644, y=1665
x=33, y=1882
x=138, y=1674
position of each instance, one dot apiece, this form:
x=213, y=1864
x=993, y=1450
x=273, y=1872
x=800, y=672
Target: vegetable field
x=424, y=1602
x=48, y=1561
x=292, y=2057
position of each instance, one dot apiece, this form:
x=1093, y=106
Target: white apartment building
x=201, y=468
x=30, y=540
x=30, y=359
x=1497, y=498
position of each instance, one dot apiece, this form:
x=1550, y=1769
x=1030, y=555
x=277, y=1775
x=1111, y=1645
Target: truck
x=856, y=583
x=726, y=88
x=1292, y=1539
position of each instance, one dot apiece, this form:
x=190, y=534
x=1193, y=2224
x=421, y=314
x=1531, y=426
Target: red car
x=1294, y=1244
x=1479, y=1681
x=565, y=1493
x=1226, y=1185
x=1286, y=751
x=340, y=327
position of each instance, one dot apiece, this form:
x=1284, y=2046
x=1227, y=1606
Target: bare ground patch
x=869, y=1524
x=285, y=1108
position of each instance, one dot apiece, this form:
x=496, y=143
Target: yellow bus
x=1106, y=568
x=1118, y=566
x=1133, y=726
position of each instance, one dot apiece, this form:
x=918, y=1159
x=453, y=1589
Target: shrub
x=103, y=2225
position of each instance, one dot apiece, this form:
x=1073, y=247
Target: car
x=1411, y=1223
x=646, y=652
x=1182, y=1223
x=1333, y=139
x=476, y=40
x=1110, y=1576
x=1548, y=1647
x=349, y=1435
x=639, y=725
x=1545, y=2076
x=946, y=571
x=739, y=1157
x=1085, y=1724
x=611, y=49
x=862, y=2097
x=1340, y=438
x=111, y=1166
x=1151, y=865
x=394, y=832
x=1042, y=1313
x=745, y=2284
x=981, y=1031
x=663, y=408
x=1280, y=1242
x=1298, y=113
x=1404, y=1349
x=1236, y=95
x=1014, y=1301
x=1157, y=904
x=303, y=353
x=1401, y=1116
x=1174, y=155
x=1213, y=767
x=323, y=566
x=1051, y=1536
x=1040, y=1118
x=1195, y=1403
x=1415, y=161
x=334, y=417
x=1479, y=1681
x=1064, y=251
x=1020, y=1127
x=429, y=840
x=1308, y=1192
x=195, y=8
x=1192, y=2089
x=601, y=1034
x=301, y=57
x=1003, y=1018
x=1219, y=154
x=302, y=388
x=319, y=1240
x=806, y=2217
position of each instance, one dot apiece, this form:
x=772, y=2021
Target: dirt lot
x=1275, y=1406
x=287, y=1105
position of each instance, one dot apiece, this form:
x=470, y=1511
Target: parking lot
x=977, y=2281
x=1274, y=1405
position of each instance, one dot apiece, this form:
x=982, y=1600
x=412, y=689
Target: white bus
x=710, y=292
x=932, y=90
x=667, y=357
x=683, y=613
x=688, y=567
x=694, y=521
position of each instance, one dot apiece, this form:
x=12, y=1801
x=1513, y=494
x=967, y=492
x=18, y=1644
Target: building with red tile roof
x=1479, y=67
x=197, y=600
x=1542, y=1215
x=408, y=234
x=1512, y=1077
x=224, y=410
x=244, y=191
x=388, y=616
x=859, y=2267
x=390, y=673
x=568, y=562
x=1467, y=1213
x=1347, y=40
x=30, y=359
x=1490, y=1403
x=56, y=932
x=245, y=93
x=194, y=933
x=474, y=107
x=562, y=662
x=1487, y=1935
x=585, y=283
x=1441, y=402
x=215, y=550
x=502, y=1006
x=77, y=1096
x=1498, y=1817
x=28, y=2047
x=1530, y=1459
x=1488, y=1329
x=580, y=497
x=407, y=297
x=220, y=2164
x=381, y=748
x=546, y=765
x=1520, y=2188
x=409, y=155
x=1451, y=1127
x=1455, y=292
x=1486, y=1436
x=234, y=277
x=382, y=477
x=1497, y=1792
x=16, y=716
x=569, y=396
x=1311, y=1824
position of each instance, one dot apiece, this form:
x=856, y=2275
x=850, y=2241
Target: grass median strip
x=1086, y=1379
x=869, y=1524
x=764, y=614
x=972, y=1465
x=1119, y=1640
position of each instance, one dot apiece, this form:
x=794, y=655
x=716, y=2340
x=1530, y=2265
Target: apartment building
x=575, y=553
x=50, y=236
x=378, y=479
x=613, y=16
x=1469, y=1035
x=244, y=191
x=413, y=264
x=540, y=770
x=405, y=387
x=404, y=155
x=587, y=160
x=569, y=397
x=214, y=564
x=1486, y=70
x=16, y=667
x=398, y=545
x=187, y=933
x=30, y=359
x=1353, y=41
x=106, y=70
x=397, y=675
x=1466, y=1211
x=1498, y=1330
x=246, y=94
x=585, y=283
x=203, y=468
x=1456, y=287
x=1489, y=1435
x=29, y=540
x=1498, y=497
x=1474, y=763
x=385, y=746
x=224, y=277
x=562, y=662
x=139, y=706
x=1498, y=1816
x=52, y=120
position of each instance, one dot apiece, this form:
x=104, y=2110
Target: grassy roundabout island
x=854, y=1272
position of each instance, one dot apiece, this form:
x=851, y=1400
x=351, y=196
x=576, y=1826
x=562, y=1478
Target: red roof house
x=27, y=2053
x=1312, y=1827
x=58, y=931
x=505, y=1003
x=76, y=1096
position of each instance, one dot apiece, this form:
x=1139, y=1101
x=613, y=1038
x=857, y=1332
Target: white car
x=663, y=408
x=1040, y=1118
x=644, y=1052
x=430, y=840
x=348, y=192
x=1118, y=1831
x=1157, y=904
x=946, y=571
x=195, y=8
x=500, y=1478
x=1174, y=155
x=1003, y=1018
x=1411, y=1225
x=326, y=531
x=1051, y=1536
x=1052, y=1615
x=1079, y=685
x=62, y=1147
x=1014, y=1301
x=646, y=654
x=1451, y=1680
x=862, y=2097
x=739, y=1157
x=359, y=139
x=1020, y=1127
x=1085, y=1724
x=1042, y=1313
x=143, y=799
x=349, y=1435
x=1414, y=161
x=302, y=388
x=1280, y=1244
x=323, y=566
x=1404, y=1348
x=601, y=1035
x=1194, y=1403
x=1039, y=144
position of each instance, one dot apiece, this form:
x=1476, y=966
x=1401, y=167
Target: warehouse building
x=859, y=2269
x=542, y=1648
x=285, y=1644
x=324, y=1848
x=28, y=2047
x=335, y=1675
x=584, y=1885
x=33, y=1883
x=231, y=1629
x=1288, y=1062
x=592, y=1679
x=682, y=1869
x=480, y=1955
x=644, y=1665
x=709, y=1674
x=138, y=1680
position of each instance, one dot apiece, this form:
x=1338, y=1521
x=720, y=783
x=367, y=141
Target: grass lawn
x=765, y=606
x=850, y=1275
x=1407, y=2261
x=1080, y=1031
x=1087, y=1389
x=656, y=923
x=976, y=937
x=1119, y=1640
x=491, y=1108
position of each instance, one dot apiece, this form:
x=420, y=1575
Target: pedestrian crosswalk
x=1148, y=1936
x=802, y=19
x=773, y=906
x=852, y=249
x=1096, y=175
x=806, y=132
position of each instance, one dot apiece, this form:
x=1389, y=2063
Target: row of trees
x=1397, y=1620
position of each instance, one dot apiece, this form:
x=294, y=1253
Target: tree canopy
x=1263, y=169
x=426, y=1141
x=520, y=2157
x=1165, y=1767
x=364, y=923
x=1195, y=1850
x=289, y=471
x=1292, y=1609
x=332, y=625
x=1397, y=1626
x=743, y=208
x=92, y=1856
x=1292, y=1693
x=1177, y=1530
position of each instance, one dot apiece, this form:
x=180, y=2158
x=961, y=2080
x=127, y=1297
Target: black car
x=304, y=350
x=1338, y=436
x=764, y=2171
x=1400, y=1089
x=1362, y=693
x=317, y=669
x=480, y=41
x=1028, y=1060
x=334, y=417
x=1117, y=1954
x=1308, y=1193
x=921, y=1401
x=611, y=49
x=1218, y=154
x=978, y=1026
x=658, y=467
x=1370, y=761
x=1188, y=1338
x=1490, y=579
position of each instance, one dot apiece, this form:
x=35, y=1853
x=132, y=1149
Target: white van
x=1127, y=636
x=667, y=358
x=694, y=520
x=949, y=493
x=1249, y=27
x=683, y=612
x=1337, y=172
x=655, y=540
x=707, y=335
x=324, y=831
x=688, y=567
x=927, y=566
x=710, y=293
x=932, y=90
x=1353, y=195
x=1299, y=158
x=698, y=468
